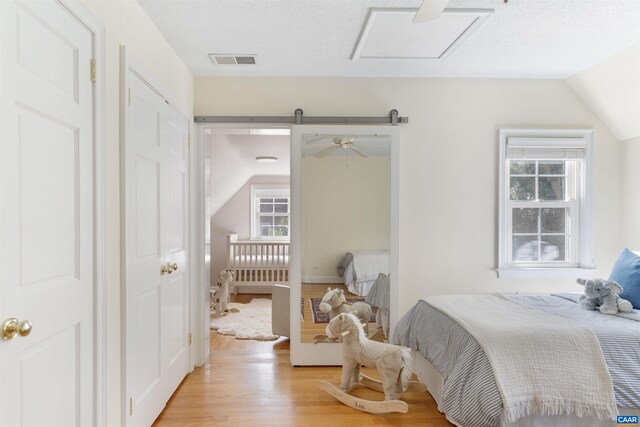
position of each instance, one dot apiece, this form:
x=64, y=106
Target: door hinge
x=189, y=338
x=189, y=141
x=129, y=97
x=130, y=406
x=93, y=70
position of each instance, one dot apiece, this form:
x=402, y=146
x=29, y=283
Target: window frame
x=268, y=190
x=580, y=260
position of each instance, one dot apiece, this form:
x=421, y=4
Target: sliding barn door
x=157, y=291
x=46, y=217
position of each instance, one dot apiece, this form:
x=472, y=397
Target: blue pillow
x=626, y=271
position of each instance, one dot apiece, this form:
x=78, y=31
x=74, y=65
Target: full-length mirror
x=346, y=249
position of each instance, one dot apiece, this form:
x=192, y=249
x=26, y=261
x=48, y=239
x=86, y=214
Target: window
x=270, y=212
x=545, y=203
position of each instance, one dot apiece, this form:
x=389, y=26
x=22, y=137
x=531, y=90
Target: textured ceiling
x=523, y=38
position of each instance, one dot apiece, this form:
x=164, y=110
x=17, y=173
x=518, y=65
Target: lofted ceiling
x=522, y=38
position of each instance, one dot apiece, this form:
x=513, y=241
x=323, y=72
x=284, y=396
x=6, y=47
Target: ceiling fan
x=337, y=143
x=429, y=10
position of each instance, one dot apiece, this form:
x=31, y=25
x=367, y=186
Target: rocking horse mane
x=362, y=337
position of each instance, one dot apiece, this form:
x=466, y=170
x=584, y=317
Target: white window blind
x=546, y=148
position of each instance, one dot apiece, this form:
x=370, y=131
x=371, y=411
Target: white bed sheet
x=360, y=288
x=429, y=376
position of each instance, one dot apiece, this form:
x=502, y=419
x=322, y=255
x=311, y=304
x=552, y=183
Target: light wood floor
x=252, y=383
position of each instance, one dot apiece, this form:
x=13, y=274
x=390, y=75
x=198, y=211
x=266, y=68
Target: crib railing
x=258, y=262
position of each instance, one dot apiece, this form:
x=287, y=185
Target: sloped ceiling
x=612, y=90
x=233, y=162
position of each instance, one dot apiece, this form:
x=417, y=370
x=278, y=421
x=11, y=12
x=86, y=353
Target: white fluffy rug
x=253, y=322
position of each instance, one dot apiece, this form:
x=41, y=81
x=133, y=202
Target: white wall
x=611, y=89
x=234, y=216
x=448, y=164
x=343, y=209
x=126, y=23
x=631, y=193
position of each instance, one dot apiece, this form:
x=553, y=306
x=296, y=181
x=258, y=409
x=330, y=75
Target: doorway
x=246, y=213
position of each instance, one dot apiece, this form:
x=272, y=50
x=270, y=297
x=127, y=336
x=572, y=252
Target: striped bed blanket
x=470, y=394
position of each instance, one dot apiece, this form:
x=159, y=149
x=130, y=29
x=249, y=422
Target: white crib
x=257, y=263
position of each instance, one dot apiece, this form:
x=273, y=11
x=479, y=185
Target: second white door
x=157, y=285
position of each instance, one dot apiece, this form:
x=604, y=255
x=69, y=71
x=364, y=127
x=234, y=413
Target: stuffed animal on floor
x=334, y=303
x=393, y=362
x=603, y=295
x=220, y=297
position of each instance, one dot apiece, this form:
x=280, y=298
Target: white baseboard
x=322, y=279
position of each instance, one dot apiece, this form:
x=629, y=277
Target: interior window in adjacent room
x=270, y=212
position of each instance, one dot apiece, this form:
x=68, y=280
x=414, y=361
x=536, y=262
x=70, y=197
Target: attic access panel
x=391, y=33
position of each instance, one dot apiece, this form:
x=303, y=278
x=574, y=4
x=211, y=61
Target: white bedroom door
x=157, y=291
x=46, y=217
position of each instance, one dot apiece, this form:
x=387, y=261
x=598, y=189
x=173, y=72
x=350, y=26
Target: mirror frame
x=329, y=354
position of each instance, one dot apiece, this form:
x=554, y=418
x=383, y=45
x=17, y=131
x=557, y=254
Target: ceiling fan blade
x=358, y=152
x=315, y=140
x=429, y=10
x=326, y=151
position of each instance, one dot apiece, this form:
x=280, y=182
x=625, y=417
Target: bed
x=257, y=264
x=360, y=269
x=456, y=359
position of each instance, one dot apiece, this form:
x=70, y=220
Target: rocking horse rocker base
x=371, y=406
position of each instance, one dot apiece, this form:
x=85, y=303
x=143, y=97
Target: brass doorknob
x=11, y=327
x=164, y=269
x=24, y=328
x=174, y=266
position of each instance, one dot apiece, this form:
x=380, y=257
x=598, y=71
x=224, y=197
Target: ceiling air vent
x=223, y=59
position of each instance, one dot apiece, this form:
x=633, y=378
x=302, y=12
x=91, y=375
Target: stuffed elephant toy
x=603, y=295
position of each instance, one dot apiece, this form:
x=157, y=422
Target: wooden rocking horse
x=392, y=362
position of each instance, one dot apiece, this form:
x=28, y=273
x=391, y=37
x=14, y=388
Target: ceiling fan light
x=266, y=159
x=430, y=10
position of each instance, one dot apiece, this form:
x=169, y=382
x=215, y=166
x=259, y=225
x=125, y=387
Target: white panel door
x=157, y=294
x=175, y=235
x=46, y=216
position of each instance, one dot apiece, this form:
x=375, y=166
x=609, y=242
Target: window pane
x=266, y=199
x=553, y=248
x=266, y=220
x=525, y=220
x=281, y=220
x=525, y=248
x=266, y=208
x=281, y=208
x=522, y=167
x=551, y=167
x=551, y=188
x=553, y=220
x=281, y=231
x=523, y=188
x=284, y=200
x=266, y=231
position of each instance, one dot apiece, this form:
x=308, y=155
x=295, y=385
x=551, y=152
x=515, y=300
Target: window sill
x=545, y=273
